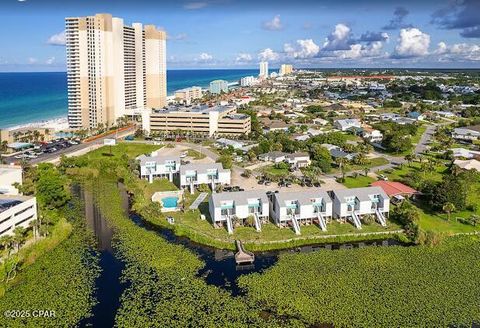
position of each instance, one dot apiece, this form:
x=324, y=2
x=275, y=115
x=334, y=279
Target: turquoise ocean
x=35, y=97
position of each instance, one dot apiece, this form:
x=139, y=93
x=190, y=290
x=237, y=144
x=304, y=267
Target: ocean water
x=36, y=97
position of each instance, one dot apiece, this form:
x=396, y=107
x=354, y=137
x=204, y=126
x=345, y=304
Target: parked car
x=382, y=177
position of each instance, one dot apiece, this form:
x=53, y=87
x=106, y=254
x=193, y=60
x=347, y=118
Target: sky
x=240, y=33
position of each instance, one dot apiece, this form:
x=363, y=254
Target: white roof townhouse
x=16, y=211
x=296, y=208
x=212, y=174
x=298, y=160
x=156, y=165
x=467, y=133
x=352, y=204
x=344, y=125
x=228, y=206
x=273, y=156
x=9, y=175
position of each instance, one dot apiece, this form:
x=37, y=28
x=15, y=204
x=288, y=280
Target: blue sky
x=239, y=33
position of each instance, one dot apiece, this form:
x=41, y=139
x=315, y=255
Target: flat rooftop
x=6, y=169
x=203, y=109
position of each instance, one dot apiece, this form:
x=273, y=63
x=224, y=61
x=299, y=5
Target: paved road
x=75, y=148
x=424, y=139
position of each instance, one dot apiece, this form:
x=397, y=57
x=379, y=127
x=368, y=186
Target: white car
x=183, y=155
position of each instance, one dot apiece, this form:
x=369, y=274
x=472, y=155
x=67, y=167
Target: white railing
x=356, y=220
x=321, y=221
x=295, y=224
x=258, y=225
x=381, y=218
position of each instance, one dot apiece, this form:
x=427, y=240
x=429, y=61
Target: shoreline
x=58, y=123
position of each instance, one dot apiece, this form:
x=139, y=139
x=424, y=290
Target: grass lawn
x=157, y=185
x=195, y=154
x=271, y=169
x=372, y=163
x=416, y=138
x=358, y=182
x=399, y=174
x=131, y=149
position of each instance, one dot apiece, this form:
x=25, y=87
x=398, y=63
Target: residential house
x=211, y=174
x=229, y=207
x=352, y=204
x=16, y=211
x=372, y=135
x=320, y=121
x=467, y=133
x=277, y=125
x=394, y=188
x=417, y=116
x=389, y=116
x=347, y=124
x=469, y=164
x=273, y=156
x=298, y=160
x=156, y=165
x=301, y=207
x=9, y=176
x=465, y=153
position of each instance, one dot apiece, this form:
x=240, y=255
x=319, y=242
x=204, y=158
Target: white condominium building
x=188, y=94
x=193, y=175
x=248, y=81
x=263, y=69
x=286, y=69
x=157, y=165
x=16, y=211
x=112, y=69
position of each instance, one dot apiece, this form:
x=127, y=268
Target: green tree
x=448, y=208
x=226, y=161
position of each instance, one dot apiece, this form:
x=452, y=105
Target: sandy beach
x=56, y=124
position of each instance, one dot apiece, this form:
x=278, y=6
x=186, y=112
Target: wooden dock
x=243, y=256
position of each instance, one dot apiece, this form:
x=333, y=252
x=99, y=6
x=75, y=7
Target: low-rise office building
x=301, y=207
x=212, y=174
x=352, y=204
x=16, y=211
x=9, y=176
x=227, y=207
x=202, y=120
x=156, y=165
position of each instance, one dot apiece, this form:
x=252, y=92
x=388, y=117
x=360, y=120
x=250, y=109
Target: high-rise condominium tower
x=263, y=69
x=286, y=69
x=113, y=69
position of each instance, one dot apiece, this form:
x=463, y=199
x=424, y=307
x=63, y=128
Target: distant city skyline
x=215, y=34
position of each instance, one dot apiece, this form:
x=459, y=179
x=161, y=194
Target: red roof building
x=393, y=188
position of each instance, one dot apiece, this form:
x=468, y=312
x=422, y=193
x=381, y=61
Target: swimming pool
x=170, y=202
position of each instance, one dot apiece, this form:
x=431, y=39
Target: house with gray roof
x=228, y=207
x=347, y=124
x=157, y=165
x=301, y=207
x=352, y=204
x=469, y=133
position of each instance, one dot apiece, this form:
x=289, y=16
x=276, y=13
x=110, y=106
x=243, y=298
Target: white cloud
x=358, y=51
x=339, y=39
x=303, y=49
x=243, y=58
x=57, y=39
x=273, y=25
x=412, y=43
x=177, y=37
x=205, y=57
x=50, y=61
x=32, y=60
x=195, y=5
x=268, y=55
x=457, y=52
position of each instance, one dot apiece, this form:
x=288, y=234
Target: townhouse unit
x=352, y=204
x=16, y=211
x=301, y=207
x=9, y=176
x=202, y=120
x=347, y=124
x=227, y=207
x=211, y=174
x=156, y=165
x=467, y=133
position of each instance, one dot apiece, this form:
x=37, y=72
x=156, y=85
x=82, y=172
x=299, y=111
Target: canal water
x=220, y=268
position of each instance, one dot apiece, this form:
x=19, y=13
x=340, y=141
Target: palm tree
x=35, y=225
x=448, y=208
x=410, y=158
x=366, y=169
x=19, y=236
x=7, y=243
